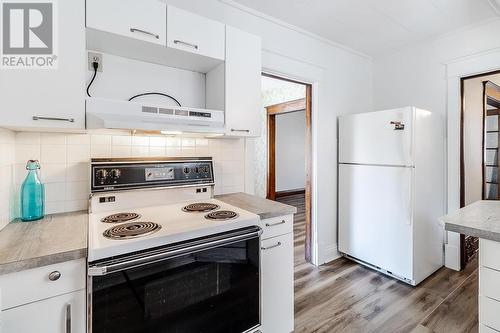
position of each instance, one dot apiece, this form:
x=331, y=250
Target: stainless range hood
x=113, y=114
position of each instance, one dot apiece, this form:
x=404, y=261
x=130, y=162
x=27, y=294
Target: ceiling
x=375, y=27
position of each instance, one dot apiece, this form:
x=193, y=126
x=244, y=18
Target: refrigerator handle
x=410, y=201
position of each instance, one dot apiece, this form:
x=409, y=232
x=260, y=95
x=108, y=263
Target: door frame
x=458, y=69
x=303, y=104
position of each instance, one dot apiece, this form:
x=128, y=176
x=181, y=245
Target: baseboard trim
x=281, y=194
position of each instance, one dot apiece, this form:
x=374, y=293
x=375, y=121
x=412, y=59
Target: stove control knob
x=186, y=170
x=101, y=174
x=115, y=173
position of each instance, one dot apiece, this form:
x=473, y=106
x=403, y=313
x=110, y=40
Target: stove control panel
x=122, y=174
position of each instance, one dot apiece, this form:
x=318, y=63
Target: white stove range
x=164, y=255
x=135, y=229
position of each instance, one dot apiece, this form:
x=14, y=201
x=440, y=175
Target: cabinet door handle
x=68, y=318
x=271, y=247
x=71, y=120
x=275, y=224
x=240, y=130
x=145, y=32
x=194, y=46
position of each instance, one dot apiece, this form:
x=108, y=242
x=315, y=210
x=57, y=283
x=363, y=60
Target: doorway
x=479, y=147
x=288, y=120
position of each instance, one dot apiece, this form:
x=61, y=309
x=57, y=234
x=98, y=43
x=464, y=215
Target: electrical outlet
x=95, y=57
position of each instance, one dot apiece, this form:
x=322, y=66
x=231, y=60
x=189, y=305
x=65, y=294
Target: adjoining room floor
x=343, y=296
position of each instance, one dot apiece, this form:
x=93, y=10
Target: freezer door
x=380, y=138
x=375, y=216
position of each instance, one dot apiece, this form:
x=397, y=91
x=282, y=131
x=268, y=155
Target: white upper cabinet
x=144, y=20
x=52, y=98
x=243, y=83
x=195, y=34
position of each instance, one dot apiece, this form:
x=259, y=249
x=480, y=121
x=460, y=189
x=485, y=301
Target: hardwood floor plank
x=459, y=311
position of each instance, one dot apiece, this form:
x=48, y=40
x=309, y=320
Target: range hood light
x=171, y=132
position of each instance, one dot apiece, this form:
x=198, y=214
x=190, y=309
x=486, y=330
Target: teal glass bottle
x=32, y=194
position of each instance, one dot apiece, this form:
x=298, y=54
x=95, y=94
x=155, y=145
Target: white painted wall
x=428, y=75
x=290, y=151
x=337, y=75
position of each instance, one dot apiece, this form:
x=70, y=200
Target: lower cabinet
x=277, y=284
x=60, y=314
x=47, y=299
x=489, y=286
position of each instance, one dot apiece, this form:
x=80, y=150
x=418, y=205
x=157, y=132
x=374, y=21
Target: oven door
x=205, y=285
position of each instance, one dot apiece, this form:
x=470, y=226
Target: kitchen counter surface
x=56, y=238
x=480, y=219
x=264, y=208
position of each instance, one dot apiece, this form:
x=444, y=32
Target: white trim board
x=471, y=65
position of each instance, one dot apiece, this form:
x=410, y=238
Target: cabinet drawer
x=195, y=34
x=36, y=284
x=486, y=329
x=277, y=226
x=488, y=312
x=489, y=254
x=143, y=20
x=488, y=283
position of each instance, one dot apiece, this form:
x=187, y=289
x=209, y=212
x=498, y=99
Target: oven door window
x=215, y=290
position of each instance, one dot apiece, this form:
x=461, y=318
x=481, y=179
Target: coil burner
x=131, y=230
x=120, y=217
x=221, y=215
x=200, y=207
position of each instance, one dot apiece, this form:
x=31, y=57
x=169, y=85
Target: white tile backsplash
x=7, y=166
x=65, y=161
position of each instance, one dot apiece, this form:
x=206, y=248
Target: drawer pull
x=275, y=224
x=71, y=120
x=54, y=276
x=145, y=32
x=271, y=247
x=240, y=130
x=194, y=46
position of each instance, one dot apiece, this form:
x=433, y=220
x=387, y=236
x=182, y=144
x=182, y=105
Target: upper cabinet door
x=243, y=83
x=50, y=98
x=195, y=34
x=144, y=20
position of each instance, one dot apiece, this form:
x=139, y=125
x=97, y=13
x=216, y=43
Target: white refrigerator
x=391, y=191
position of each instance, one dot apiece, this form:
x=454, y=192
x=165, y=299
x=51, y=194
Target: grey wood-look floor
x=343, y=296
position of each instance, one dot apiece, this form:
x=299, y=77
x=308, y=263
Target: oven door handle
x=169, y=253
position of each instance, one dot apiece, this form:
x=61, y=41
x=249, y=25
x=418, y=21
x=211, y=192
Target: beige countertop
x=264, y=208
x=480, y=219
x=56, y=238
